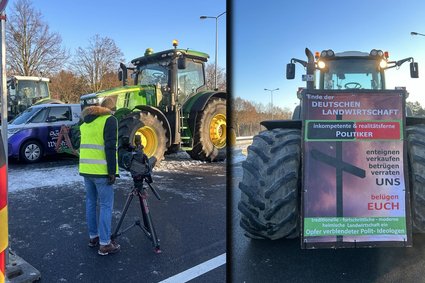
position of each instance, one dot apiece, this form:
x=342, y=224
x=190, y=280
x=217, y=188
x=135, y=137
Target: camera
x=134, y=160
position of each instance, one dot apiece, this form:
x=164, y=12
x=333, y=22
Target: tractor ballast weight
x=270, y=205
x=168, y=105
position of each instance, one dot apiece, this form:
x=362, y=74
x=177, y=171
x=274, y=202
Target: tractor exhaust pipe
x=310, y=69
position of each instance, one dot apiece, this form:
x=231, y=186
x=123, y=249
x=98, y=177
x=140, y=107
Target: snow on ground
x=21, y=179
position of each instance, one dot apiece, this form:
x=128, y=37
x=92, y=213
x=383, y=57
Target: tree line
x=247, y=115
x=33, y=50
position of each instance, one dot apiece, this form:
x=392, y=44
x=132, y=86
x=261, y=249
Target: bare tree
x=66, y=86
x=31, y=48
x=210, y=77
x=97, y=61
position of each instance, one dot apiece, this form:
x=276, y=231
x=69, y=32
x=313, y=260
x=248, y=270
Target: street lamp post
x=271, y=95
x=216, y=44
x=416, y=33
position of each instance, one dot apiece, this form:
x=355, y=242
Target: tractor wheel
x=209, y=141
x=416, y=154
x=31, y=152
x=151, y=130
x=270, y=185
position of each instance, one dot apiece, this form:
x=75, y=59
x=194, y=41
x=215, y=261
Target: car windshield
x=352, y=73
x=24, y=116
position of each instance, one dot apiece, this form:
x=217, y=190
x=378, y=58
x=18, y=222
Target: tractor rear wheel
x=151, y=130
x=209, y=141
x=416, y=156
x=270, y=185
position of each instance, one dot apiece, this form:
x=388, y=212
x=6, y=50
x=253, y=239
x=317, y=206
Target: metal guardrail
x=244, y=138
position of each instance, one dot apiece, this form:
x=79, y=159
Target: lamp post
x=271, y=95
x=216, y=44
x=416, y=33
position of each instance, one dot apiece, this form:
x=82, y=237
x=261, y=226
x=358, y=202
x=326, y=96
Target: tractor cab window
x=351, y=74
x=190, y=80
x=26, y=93
x=153, y=74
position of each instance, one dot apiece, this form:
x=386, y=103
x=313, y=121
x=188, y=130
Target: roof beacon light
x=175, y=43
x=148, y=51
x=386, y=54
x=316, y=55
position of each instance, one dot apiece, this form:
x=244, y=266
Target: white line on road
x=197, y=270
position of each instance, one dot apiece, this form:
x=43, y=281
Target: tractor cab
x=348, y=70
x=25, y=91
x=175, y=75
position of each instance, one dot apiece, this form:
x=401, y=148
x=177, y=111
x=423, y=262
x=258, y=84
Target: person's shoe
x=94, y=242
x=109, y=249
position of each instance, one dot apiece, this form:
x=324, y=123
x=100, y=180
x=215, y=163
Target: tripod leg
x=124, y=212
x=147, y=220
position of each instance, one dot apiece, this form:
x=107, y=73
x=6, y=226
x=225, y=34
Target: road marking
x=197, y=270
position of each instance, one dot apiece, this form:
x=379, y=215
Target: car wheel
x=31, y=152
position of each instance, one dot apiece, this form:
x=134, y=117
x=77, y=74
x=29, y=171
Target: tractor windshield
x=190, y=80
x=29, y=90
x=153, y=74
x=352, y=73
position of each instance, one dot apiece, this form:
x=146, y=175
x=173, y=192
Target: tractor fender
x=158, y=113
x=282, y=124
x=197, y=103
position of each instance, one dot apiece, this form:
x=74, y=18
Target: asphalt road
x=285, y=261
x=47, y=227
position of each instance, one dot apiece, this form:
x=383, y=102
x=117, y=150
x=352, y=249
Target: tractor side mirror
x=290, y=71
x=13, y=83
x=181, y=63
x=122, y=74
x=414, y=71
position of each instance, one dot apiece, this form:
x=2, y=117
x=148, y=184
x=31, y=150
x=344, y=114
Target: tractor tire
x=31, y=152
x=151, y=129
x=270, y=199
x=416, y=157
x=209, y=141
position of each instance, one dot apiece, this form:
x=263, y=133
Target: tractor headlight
x=383, y=64
x=321, y=65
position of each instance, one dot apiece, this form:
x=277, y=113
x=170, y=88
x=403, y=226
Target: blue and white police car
x=34, y=133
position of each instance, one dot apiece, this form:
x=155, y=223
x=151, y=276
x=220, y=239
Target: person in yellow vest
x=99, y=167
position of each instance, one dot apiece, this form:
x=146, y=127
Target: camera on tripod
x=134, y=160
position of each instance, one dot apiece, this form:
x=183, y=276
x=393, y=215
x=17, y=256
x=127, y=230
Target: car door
x=55, y=119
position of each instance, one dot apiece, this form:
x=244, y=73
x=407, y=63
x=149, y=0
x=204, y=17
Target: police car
x=34, y=133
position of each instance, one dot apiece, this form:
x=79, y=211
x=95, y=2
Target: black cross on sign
x=340, y=167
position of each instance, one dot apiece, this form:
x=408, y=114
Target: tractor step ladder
x=186, y=138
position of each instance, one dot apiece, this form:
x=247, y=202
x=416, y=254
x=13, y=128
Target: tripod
x=147, y=227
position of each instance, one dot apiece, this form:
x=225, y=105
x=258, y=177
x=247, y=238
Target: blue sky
x=267, y=34
x=137, y=25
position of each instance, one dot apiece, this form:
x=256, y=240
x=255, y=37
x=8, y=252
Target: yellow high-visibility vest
x=92, y=148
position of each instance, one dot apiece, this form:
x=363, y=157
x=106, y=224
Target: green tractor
x=169, y=105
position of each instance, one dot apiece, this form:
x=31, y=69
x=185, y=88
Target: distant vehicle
x=25, y=91
x=34, y=133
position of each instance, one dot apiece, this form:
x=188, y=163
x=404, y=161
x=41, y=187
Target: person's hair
x=109, y=103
